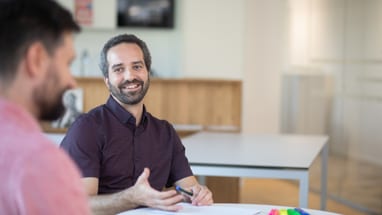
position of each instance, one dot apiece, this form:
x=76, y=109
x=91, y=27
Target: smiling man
x=126, y=155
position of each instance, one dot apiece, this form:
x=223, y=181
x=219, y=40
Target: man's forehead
x=125, y=53
x=125, y=46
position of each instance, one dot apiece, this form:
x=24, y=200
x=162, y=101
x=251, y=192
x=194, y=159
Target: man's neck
x=135, y=110
x=20, y=93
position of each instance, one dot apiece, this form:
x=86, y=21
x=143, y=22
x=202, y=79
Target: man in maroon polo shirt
x=126, y=155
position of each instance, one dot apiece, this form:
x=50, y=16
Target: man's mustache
x=134, y=81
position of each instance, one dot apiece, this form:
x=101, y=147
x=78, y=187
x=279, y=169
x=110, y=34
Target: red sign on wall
x=84, y=12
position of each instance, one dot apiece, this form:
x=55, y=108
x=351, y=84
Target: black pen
x=178, y=188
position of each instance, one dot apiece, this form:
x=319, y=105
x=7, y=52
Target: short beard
x=130, y=98
x=48, y=100
x=54, y=111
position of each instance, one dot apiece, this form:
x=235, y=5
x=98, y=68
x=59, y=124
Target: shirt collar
x=122, y=114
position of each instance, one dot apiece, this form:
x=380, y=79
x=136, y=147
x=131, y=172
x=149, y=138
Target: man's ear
x=106, y=80
x=36, y=59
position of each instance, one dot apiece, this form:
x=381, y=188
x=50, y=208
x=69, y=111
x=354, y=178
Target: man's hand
x=145, y=195
x=202, y=195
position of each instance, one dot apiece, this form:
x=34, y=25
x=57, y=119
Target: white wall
x=265, y=59
x=213, y=38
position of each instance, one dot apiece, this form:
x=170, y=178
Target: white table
x=56, y=138
x=221, y=209
x=259, y=156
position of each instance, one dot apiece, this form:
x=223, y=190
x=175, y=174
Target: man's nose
x=129, y=74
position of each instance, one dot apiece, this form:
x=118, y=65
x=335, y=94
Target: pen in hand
x=179, y=189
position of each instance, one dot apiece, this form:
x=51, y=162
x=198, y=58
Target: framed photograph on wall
x=83, y=12
x=145, y=13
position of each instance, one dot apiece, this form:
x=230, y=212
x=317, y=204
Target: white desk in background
x=56, y=138
x=259, y=156
x=221, y=209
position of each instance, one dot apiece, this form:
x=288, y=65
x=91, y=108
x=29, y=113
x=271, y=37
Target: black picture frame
x=146, y=13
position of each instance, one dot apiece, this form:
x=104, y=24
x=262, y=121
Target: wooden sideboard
x=181, y=101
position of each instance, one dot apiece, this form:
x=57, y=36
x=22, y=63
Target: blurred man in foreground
x=36, y=40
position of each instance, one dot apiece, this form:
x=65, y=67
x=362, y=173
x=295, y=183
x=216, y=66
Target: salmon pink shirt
x=36, y=177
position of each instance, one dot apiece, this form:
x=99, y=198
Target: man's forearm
x=112, y=203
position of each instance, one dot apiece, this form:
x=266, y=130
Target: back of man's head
x=23, y=22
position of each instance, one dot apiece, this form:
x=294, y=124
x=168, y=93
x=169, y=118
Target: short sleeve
x=180, y=168
x=83, y=144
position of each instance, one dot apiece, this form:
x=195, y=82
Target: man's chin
x=53, y=113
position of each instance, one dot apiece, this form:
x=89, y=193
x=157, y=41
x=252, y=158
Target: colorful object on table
x=274, y=212
x=301, y=211
x=290, y=211
x=283, y=212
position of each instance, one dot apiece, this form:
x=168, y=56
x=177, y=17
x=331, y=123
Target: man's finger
x=144, y=175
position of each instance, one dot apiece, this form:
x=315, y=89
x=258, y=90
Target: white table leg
x=202, y=179
x=324, y=175
x=304, y=190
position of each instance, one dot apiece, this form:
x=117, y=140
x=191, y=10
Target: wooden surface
x=191, y=101
x=180, y=101
x=224, y=189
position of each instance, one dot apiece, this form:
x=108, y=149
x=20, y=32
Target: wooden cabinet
x=210, y=103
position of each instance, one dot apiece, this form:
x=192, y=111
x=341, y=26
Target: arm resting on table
x=141, y=194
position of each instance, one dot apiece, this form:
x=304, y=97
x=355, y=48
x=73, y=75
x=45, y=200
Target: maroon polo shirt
x=106, y=144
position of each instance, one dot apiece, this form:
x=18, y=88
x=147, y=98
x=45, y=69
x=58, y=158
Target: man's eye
x=137, y=67
x=118, y=70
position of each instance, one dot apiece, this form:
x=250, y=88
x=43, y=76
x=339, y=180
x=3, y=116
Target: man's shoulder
x=97, y=110
x=160, y=125
x=96, y=114
x=40, y=154
x=155, y=120
x=87, y=125
x=49, y=174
